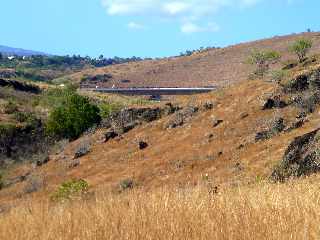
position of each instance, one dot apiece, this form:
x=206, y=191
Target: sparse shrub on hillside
x=73, y=117
x=26, y=117
x=277, y=76
x=70, y=189
x=126, y=184
x=301, y=47
x=262, y=60
x=10, y=107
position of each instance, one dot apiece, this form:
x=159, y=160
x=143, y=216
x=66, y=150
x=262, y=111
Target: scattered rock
x=302, y=157
x=208, y=106
x=244, y=115
x=181, y=117
x=241, y=146
x=74, y=163
x=82, y=150
x=276, y=128
x=43, y=160
x=216, y=122
x=238, y=167
x=111, y=134
x=143, y=145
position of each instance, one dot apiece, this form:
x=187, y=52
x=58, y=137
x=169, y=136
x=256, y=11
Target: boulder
x=302, y=157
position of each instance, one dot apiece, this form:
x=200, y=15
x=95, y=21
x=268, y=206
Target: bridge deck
x=154, y=91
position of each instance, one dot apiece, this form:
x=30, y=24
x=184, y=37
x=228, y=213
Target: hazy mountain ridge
x=19, y=51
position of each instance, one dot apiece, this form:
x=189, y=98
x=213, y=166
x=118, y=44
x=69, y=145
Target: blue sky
x=148, y=28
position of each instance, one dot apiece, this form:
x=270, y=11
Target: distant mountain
x=18, y=51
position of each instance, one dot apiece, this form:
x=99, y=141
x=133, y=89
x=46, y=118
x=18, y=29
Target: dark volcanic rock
x=143, y=145
x=274, y=102
x=110, y=135
x=302, y=157
x=216, y=122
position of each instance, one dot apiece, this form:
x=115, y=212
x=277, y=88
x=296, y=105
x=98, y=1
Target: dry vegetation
x=259, y=211
x=206, y=179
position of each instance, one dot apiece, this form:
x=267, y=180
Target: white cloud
x=170, y=7
x=186, y=12
x=189, y=28
x=135, y=26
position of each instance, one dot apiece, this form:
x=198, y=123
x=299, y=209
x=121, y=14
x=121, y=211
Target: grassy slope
x=260, y=211
x=214, y=67
x=168, y=171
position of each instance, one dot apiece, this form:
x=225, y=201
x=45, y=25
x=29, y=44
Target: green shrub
x=106, y=109
x=70, y=189
x=262, y=59
x=73, y=117
x=301, y=47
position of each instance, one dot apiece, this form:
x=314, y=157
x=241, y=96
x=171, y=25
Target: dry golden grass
x=262, y=211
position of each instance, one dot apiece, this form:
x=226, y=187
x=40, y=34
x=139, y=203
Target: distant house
x=11, y=57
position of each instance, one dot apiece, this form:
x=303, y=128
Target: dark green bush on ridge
x=70, y=119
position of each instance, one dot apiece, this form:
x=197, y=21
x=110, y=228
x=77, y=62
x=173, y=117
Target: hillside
x=19, y=51
x=216, y=67
x=240, y=162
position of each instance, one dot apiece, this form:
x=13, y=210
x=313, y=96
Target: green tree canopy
x=71, y=118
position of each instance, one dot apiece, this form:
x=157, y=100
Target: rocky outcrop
x=274, y=102
x=20, y=86
x=181, y=117
x=125, y=120
x=302, y=157
x=277, y=127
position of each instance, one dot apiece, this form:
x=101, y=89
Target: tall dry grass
x=265, y=211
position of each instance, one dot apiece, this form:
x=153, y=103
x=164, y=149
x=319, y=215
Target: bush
x=301, y=47
x=262, y=59
x=70, y=189
x=73, y=117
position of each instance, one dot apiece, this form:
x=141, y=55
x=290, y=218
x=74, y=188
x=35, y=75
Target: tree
x=262, y=60
x=75, y=115
x=301, y=47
